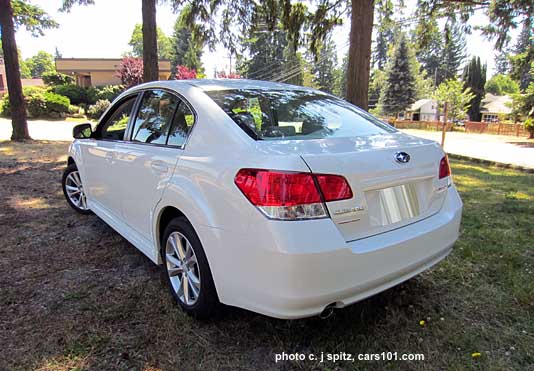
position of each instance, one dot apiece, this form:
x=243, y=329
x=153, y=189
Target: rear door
x=145, y=162
x=99, y=155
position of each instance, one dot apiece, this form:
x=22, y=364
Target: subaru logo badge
x=402, y=157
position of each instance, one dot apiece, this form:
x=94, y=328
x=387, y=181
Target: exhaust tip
x=328, y=311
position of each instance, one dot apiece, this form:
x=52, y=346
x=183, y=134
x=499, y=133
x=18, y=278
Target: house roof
x=496, y=104
x=420, y=103
x=68, y=65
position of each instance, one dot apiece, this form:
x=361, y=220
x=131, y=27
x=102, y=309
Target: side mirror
x=82, y=131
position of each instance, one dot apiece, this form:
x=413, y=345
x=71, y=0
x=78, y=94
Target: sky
x=103, y=30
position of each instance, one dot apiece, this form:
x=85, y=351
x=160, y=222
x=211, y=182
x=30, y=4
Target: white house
x=422, y=110
x=495, y=106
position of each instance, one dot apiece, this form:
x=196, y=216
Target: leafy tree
x=136, y=42
x=292, y=67
x=40, y=64
x=474, y=77
x=457, y=98
x=186, y=45
x=324, y=71
x=502, y=62
x=452, y=54
x=130, y=71
x=501, y=85
x=399, y=90
x=13, y=14
x=384, y=32
x=376, y=84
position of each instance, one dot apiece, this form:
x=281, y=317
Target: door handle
x=109, y=156
x=159, y=166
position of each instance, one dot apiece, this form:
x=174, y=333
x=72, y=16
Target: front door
x=99, y=157
x=146, y=161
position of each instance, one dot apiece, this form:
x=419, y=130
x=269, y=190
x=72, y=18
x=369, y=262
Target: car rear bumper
x=296, y=269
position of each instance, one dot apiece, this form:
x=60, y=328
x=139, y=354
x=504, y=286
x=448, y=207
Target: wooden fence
x=516, y=129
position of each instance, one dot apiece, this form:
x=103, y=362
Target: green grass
x=77, y=296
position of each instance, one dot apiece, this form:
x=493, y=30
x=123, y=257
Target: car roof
x=225, y=84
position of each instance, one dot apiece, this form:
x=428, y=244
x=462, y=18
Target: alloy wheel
x=182, y=268
x=75, y=191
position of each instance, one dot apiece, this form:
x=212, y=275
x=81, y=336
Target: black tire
x=207, y=304
x=70, y=169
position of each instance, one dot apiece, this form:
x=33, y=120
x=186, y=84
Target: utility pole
x=445, y=109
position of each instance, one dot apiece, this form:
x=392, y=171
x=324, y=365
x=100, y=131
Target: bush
x=76, y=94
x=97, y=109
x=39, y=103
x=109, y=92
x=55, y=78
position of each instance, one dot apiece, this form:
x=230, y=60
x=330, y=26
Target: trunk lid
x=388, y=194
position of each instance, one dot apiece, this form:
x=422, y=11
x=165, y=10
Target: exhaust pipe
x=327, y=311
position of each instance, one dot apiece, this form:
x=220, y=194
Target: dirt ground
x=74, y=295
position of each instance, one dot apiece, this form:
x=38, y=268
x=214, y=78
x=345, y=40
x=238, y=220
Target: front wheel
x=73, y=189
x=187, y=271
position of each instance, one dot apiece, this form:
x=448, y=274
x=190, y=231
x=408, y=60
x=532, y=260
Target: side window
x=115, y=126
x=154, y=118
x=181, y=125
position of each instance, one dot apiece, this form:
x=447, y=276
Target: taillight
x=291, y=195
x=444, y=168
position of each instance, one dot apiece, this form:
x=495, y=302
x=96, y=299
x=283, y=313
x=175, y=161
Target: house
x=495, y=107
x=24, y=82
x=100, y=71
x=422, y=110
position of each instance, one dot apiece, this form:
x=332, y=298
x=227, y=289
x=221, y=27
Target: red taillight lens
x=444, y=168
x=291, y=195
x=277, y=188
x=334, y=187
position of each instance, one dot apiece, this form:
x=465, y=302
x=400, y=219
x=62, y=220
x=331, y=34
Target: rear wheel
x=73, y=189
x=187, y=271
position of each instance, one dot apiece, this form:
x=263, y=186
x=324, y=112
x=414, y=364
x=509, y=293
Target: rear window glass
x=295, y=114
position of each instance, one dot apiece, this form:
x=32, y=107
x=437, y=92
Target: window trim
x=141, y=93
x=111, y=111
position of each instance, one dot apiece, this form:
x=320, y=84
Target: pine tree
x=429, y=46
x=324, y=70
x=266, y=54
x=384, y=33
x=452, y=55
x=186, y=48
x=474, y=78
x=399, y=90
x=523, y=60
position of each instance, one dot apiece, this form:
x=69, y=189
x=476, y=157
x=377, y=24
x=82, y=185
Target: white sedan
x=275, y=198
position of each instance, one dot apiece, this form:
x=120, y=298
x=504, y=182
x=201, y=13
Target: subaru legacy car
x=279, y=199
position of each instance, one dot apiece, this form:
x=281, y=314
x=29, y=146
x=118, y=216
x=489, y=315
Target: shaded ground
x=74, y=295
x=504, y=149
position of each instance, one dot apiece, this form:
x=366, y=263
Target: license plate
x=393, y=205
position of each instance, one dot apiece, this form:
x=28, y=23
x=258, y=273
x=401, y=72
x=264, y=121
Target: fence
x=516, y=129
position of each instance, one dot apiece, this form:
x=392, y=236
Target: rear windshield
x=295, y=114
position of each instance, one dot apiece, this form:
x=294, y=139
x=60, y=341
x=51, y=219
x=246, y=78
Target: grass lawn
x=74, y=295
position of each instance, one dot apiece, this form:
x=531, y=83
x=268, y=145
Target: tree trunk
x=150, y=41
x=361, y=30
x=14, y=85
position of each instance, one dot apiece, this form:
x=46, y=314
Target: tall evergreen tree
x=265, y=50
x=523, y=60
x=399, y=90
x=453, y=53
x=474, y=78
x=429, y=47
x=324, y=70
x=186, y=49
x=384, y=32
